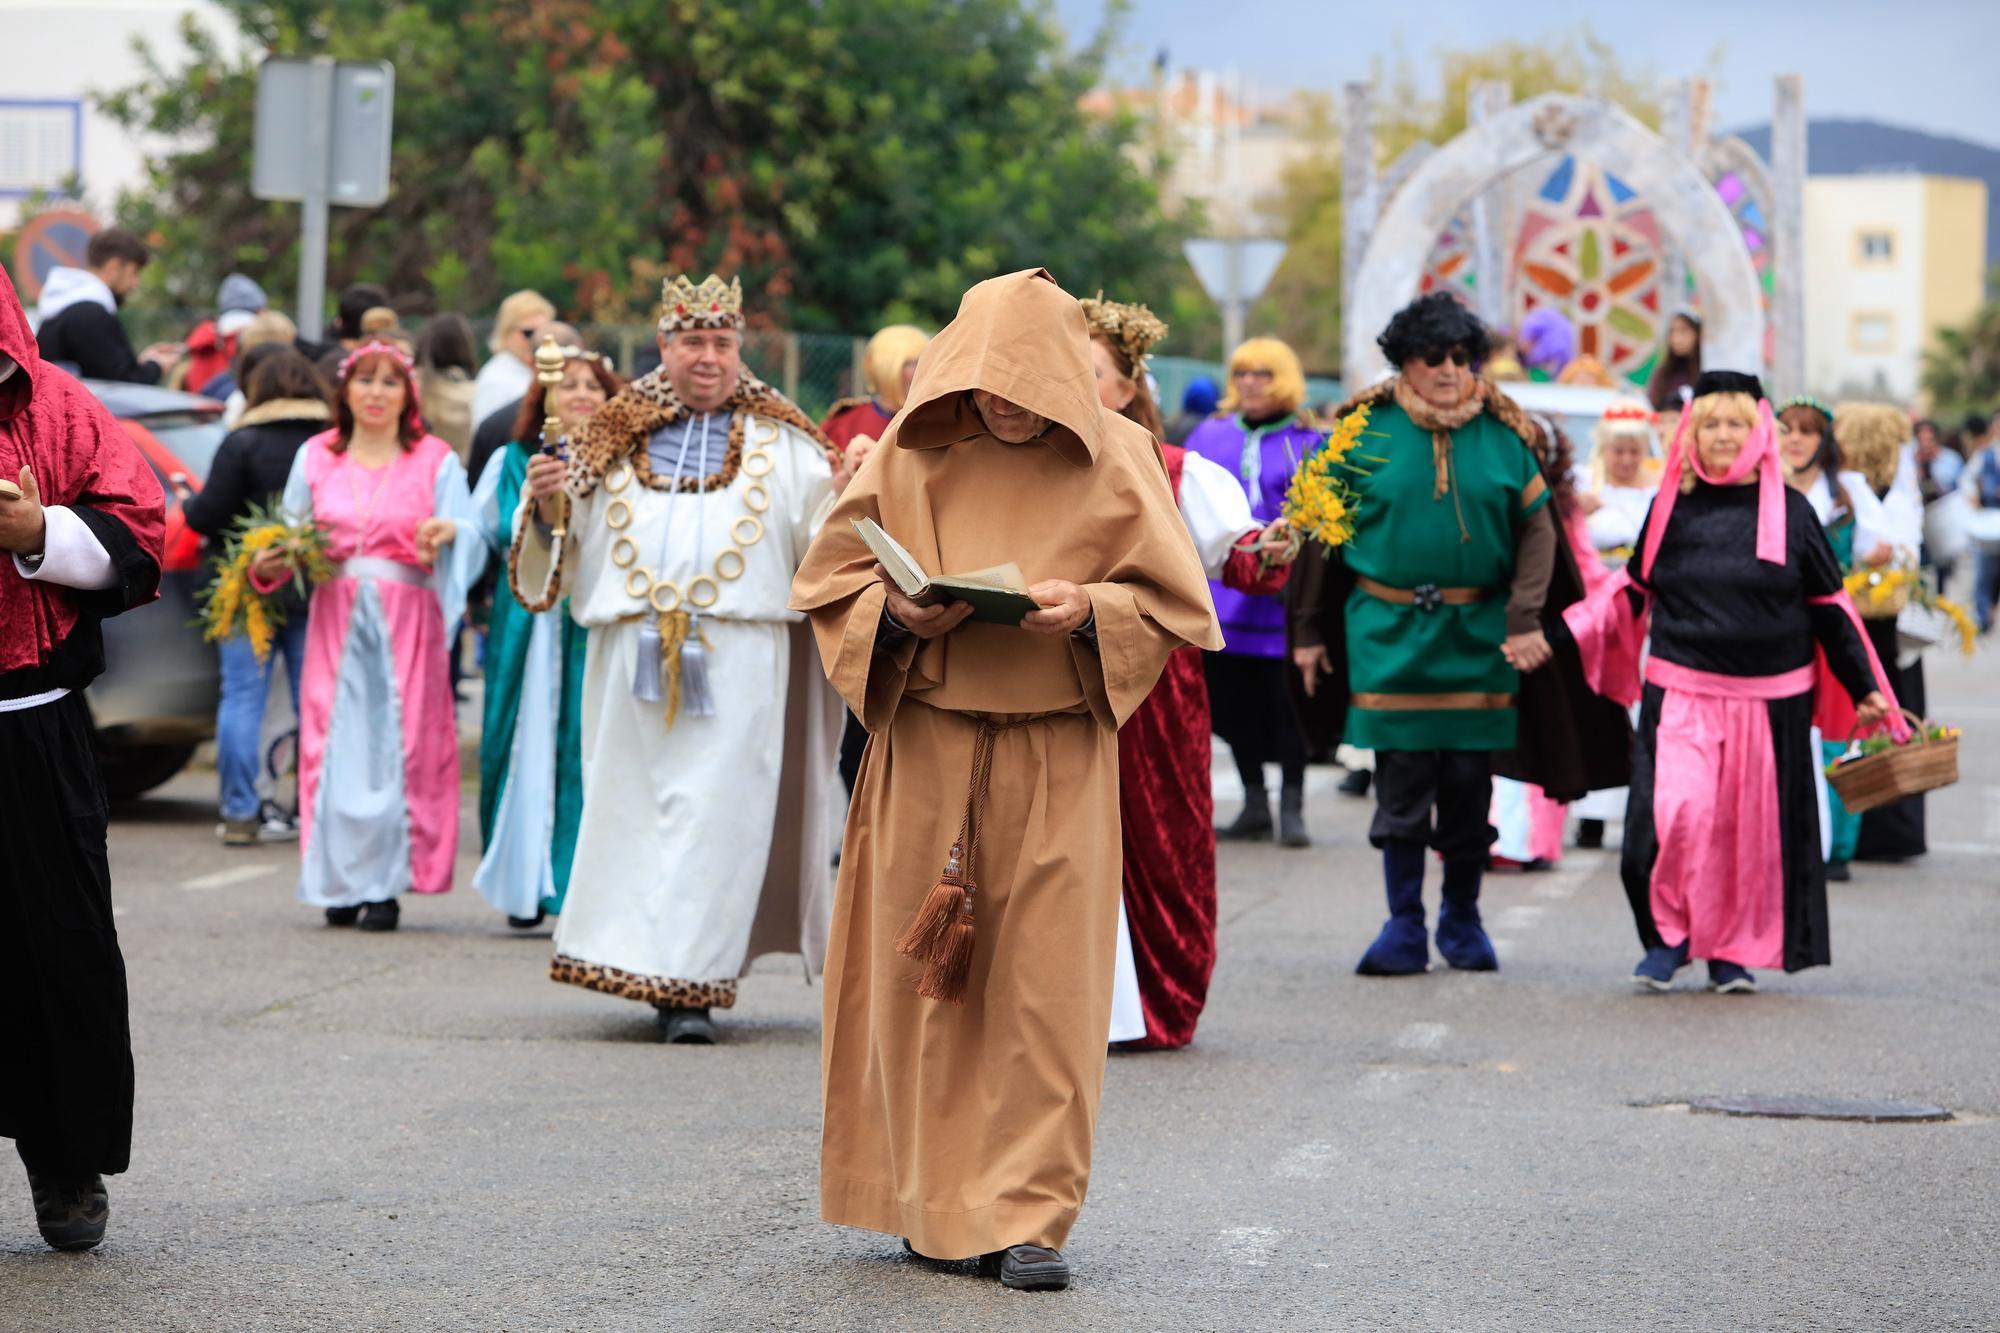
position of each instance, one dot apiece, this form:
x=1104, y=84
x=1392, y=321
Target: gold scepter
x=549, y=374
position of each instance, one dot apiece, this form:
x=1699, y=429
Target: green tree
x=1303, y=305
x=1961, y=374
x=852, y=160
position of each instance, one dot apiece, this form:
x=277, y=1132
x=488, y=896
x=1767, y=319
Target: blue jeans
x=1985, y=586
x=239, y=716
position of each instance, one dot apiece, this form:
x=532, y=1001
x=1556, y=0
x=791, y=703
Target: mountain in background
x=1860, y=147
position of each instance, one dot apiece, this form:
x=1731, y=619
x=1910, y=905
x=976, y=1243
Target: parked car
x=1574, y=407
x=155, y=702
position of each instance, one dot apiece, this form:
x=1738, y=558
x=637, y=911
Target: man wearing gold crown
x=709, y=737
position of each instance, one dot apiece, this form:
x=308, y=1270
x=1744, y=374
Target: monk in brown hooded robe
x=989, y=785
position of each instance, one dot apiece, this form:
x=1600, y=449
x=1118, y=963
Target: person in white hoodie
x=76, y=321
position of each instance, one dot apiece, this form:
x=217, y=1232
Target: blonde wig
x=885, y=356
x=1871, y=438
x=1288, y=378
x=1627, y=418
x=521, y=308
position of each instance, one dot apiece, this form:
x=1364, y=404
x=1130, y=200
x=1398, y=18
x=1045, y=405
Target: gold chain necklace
x=702, y=591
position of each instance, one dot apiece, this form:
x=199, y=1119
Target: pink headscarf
x=1760, y=451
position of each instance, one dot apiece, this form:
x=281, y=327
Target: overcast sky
x=1934, y=66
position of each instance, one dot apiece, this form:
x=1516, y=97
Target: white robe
x=703, y=845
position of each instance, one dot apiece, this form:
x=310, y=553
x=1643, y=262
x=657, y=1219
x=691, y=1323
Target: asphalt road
x=419, y=1131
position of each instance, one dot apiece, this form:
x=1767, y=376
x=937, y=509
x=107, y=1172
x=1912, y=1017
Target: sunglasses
x=1459, y=357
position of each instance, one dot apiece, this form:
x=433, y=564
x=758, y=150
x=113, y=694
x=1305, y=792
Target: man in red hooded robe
x=81, y=525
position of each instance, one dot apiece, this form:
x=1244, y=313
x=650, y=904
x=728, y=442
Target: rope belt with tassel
x=672, y=657
x=940, y=936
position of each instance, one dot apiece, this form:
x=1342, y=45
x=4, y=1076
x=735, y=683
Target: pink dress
x=378, y=741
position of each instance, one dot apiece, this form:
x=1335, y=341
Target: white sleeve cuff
x=71, y=554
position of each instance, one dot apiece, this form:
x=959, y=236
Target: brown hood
x=1021, y=337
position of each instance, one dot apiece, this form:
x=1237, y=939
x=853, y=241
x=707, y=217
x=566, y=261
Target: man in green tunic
x=1450, y=564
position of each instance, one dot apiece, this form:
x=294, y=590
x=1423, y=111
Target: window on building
x=1873, y=331
x=39, y=145
x=1876, y=247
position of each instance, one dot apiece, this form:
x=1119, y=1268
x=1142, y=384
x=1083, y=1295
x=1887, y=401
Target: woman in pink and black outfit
x=1749, y=621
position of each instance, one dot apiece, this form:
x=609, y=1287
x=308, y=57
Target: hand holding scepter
x=549, y=374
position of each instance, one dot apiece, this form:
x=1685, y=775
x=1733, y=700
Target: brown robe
x=967, y=1127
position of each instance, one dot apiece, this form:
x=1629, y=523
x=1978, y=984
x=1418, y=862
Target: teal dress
x=531, y=742
x=1842, y=824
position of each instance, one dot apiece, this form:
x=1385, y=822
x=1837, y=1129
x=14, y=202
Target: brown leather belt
x=1428, y=597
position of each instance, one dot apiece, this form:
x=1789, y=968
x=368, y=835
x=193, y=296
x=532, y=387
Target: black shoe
x=1590, y=835
x=686, y=1027
x=342, y=916
x=380, y=916
x=1356, y=782
x=1725, y=978
x=1838, y=873
x=71, y=1214
x=1292, y=818
x=1027, y=1268
x=1253, y=822
x=528, y=922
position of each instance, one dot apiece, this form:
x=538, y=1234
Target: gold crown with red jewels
x=712, y=305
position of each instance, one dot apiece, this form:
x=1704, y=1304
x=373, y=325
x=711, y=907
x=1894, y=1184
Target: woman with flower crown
x=378, y=746
x=1166, y=938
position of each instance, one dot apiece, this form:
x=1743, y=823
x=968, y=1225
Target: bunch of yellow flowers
x=232, y=597
x=1320, y=501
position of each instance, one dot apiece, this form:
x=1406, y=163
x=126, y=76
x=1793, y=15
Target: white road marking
x=1422, y=1036
x=1518, y=916
x=1308, y=1161
x=1251, y=1247
x=222, y=879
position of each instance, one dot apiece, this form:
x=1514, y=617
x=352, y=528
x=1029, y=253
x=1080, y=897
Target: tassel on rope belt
x=940, y=935
x=672, y=651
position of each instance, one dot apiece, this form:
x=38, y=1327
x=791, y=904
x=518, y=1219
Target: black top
x=89, y=337
x=493, y=435
x=251, y=467
x=1717, y=607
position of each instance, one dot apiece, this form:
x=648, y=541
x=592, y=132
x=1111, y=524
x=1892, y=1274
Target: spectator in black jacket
x=288, y=403
x=77, y=317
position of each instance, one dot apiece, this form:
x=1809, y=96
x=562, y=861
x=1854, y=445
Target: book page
x=1007, y=576
x=902, y=566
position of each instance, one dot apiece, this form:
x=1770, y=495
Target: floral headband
x=1134, y=328
x=1806, y=400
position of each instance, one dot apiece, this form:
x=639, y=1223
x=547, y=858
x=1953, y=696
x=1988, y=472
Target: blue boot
x=1404, y=946
x=1460, y=937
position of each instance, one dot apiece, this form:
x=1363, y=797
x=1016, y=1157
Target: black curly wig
x=1434, y=323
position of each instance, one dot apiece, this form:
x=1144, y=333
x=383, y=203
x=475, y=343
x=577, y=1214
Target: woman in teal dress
x=531, y=747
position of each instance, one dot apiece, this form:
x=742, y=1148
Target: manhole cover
x=1820, y=1108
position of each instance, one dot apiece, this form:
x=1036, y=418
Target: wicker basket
x=1892, y=603
x=1922, y=765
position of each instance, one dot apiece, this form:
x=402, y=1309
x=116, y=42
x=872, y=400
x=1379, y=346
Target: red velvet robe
x=1167, y=809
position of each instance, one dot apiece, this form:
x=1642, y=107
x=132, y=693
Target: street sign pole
x=1234, y=271
x=314, y=206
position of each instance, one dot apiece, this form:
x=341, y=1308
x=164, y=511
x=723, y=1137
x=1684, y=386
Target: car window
x=192, y=439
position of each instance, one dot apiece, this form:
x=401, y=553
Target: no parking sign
x=57, y=237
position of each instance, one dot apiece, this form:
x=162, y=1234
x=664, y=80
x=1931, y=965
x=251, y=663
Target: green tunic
x=1434, y=679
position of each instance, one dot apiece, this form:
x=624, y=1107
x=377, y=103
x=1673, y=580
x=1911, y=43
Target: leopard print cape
x=620, y=429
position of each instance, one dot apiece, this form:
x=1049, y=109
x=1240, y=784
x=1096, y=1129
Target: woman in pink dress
x=378, y=743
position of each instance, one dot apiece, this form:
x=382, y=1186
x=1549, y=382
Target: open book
x=998, y=595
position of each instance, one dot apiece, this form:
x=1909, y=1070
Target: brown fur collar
x=285, y=409
x=1486, y=396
